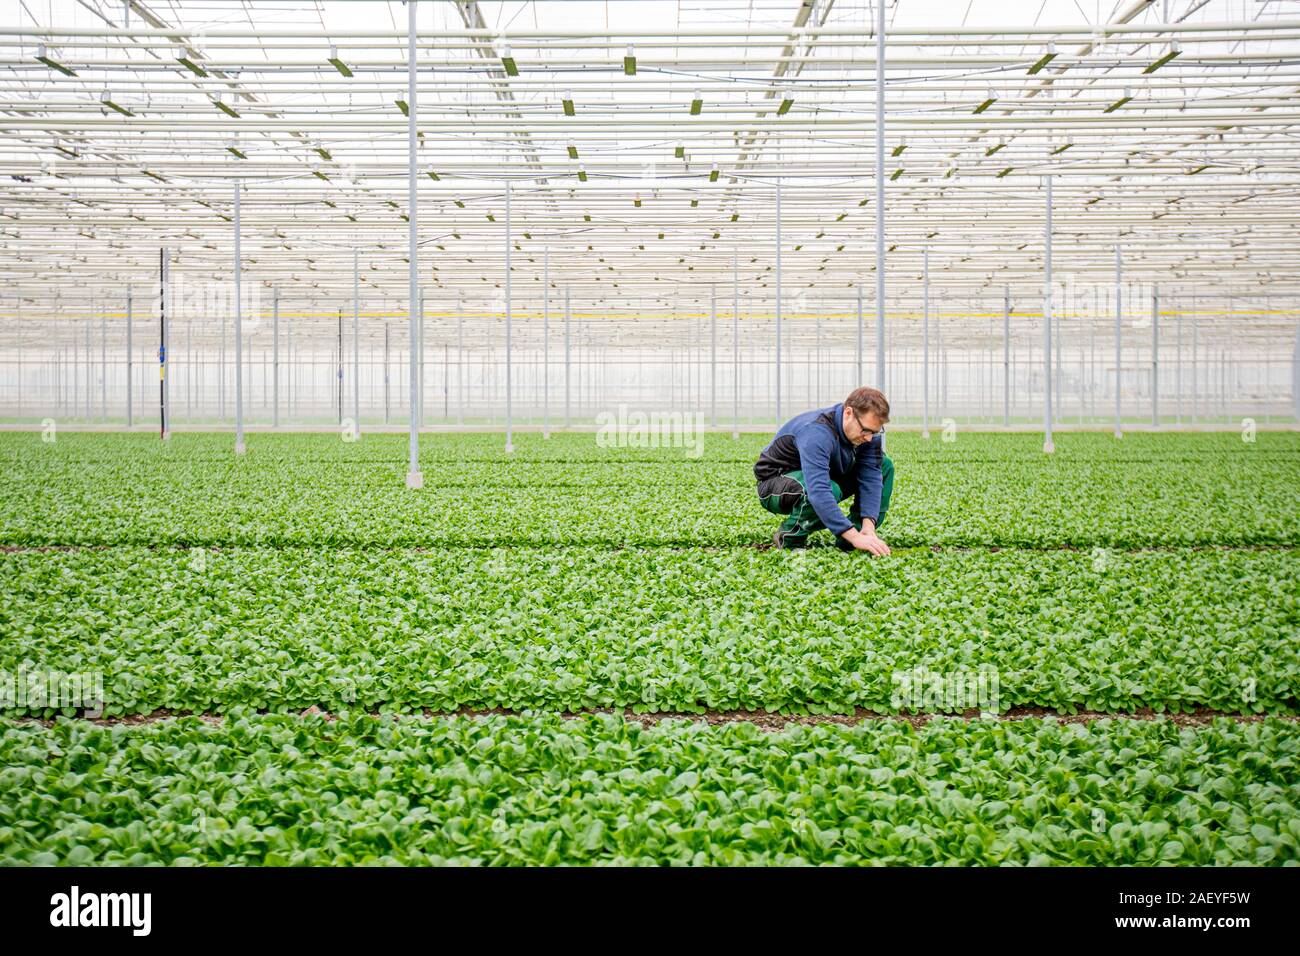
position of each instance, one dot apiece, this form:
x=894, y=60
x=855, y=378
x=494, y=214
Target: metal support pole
x=567, y=317
x=386, y=397
x=338, y=371
x=510, y=445
x=419, y=338
x=778, y=301
x=880, y=195
x=713, y=356
x=925, y=340
x=275, y=357
x=1119, y=354
x=1006, y=356
x=460, y=363
x=546, y=342
x=162, y=345
x=1048, y=446
x=239, y=338
x=19, y=378
x=735, y=343
x=103, y=366
x=356, y=347
x=414, y=477
x=130, y=403
x=1155, y=357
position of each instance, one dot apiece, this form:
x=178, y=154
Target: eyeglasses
x=873, y=432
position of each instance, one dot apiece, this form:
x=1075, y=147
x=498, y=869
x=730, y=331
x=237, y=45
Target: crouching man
x=822, y=457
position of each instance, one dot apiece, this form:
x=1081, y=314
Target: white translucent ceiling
x=1170, y=129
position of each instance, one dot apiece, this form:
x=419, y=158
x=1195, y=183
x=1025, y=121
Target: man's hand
x=866, y=540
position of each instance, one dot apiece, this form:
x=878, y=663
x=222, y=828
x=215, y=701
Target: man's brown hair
x=868, y=399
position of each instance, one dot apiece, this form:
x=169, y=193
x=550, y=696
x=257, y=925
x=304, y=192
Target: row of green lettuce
x=657, y=630
x=590, y=445
x=283, y=790
x=134, y=495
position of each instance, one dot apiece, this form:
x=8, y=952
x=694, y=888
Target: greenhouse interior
x=390, y=378
x=1108, y=218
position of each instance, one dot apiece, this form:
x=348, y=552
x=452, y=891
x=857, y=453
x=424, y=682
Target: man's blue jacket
x=815, y=444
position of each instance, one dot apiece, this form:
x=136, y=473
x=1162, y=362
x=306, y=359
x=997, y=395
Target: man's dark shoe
x=787, y=541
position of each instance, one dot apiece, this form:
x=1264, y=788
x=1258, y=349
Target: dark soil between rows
x=764, y=720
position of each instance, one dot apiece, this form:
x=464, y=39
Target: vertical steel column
x=925, y=340
x=567, y=317
x=713, y=356
x=163, y=431
x=239, y=338
x=386, y=396
x=338, y=371
x=275, y=357
x=460, y=362
x=414, y=477
x=1006, y=356
x=103, y=366
x=1119, y=354
x=510, y=445
x=546, y=342
x=356, y=347
x=880, y=195
x=19, y=382
x=1048, y=446
x=735, y=343
x=130, y=404
x=1155, y=357
x=778, y=301
x=419, y=338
